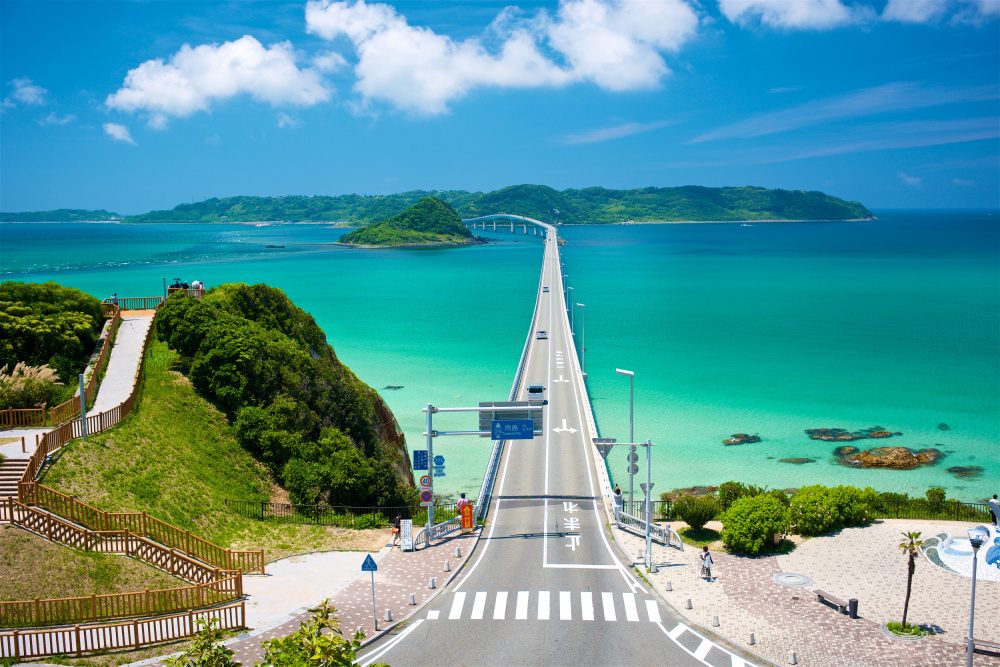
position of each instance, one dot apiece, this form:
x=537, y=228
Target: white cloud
x=214, y=140
x=195, y=77
x=25, y=92
x=914, y=11
x=55, y=119
x=616, y=132
x=898, y=96
x=795, y=14
x=786, y=89
x=613, y=43
x=328, y=62
x=963, y=182
x=284, y=120
x=912, y=181
x=976, y=12
x=118, y=133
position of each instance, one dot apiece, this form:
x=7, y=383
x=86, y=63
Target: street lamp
x=631, y=435
x=977, y=536
x=583, y=336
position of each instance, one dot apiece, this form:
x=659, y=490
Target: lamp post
x=572, y=314
x=631, y=435
x=648, y=492
x=583, y=336
x=977, y=536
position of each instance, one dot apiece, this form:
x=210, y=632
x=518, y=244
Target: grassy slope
x=175, y=458
x=31, y=566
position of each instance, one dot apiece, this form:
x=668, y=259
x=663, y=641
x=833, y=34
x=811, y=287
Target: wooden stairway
x=10, y=474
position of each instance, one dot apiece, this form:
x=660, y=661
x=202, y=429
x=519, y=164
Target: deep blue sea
x=768, y=329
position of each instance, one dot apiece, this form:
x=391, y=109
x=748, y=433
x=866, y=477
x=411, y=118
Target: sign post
x=467, y=524
x=406, y=535
x=370, y=566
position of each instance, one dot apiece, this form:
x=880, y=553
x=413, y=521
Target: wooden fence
x=129, y=635
x=25, y=418
x=143, y=525
x=137, y=302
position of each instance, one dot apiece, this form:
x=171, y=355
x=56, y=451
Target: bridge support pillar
x=494, y=224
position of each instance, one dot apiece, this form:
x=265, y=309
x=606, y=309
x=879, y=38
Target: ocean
x=767, y=329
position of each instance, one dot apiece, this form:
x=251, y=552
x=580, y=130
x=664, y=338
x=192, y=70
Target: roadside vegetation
x=47, y=334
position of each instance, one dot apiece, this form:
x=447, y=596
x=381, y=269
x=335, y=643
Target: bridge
x=546, y=585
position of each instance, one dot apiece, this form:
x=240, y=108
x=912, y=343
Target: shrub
x=366, y=521
x=780, y=496
x=936, y=496
x=696, y=511
x=750, y=525
x=730, y=492
x=28, y=387
x=813, y=512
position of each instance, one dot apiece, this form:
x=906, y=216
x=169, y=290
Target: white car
x=541, y=334
x=545, y=289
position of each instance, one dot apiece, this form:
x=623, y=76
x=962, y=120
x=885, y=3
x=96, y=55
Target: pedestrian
x=462, y=502
x=114, y=300
x=706, y=564
x=995, y=502
x=395, y=529
x=618, y=496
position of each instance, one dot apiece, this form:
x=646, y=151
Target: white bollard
x=447, y=566
x=458, y=552
x=360, y=630
x=653, y=569
x=413, y=598
x=388, y=614
x=669, y=586
x=687, y=605
x=792, y=658
x=751, y=640
x=430, y=584
x=715, y=621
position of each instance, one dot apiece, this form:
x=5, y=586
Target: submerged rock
x=895, y=458
x=843, y=435
x=797, y=462
x=944, y=427
x=692, y=491
x=845, y=450
x=741, y=439
x=966, y=472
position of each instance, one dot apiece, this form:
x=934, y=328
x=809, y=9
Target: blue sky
x=138, y=106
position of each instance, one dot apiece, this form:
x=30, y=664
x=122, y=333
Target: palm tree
x=910, y=546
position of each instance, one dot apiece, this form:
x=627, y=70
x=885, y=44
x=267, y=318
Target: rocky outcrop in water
x=797, y=462
x=895, y=458
x=966, y=472
x=741, y=439
x=843, y=435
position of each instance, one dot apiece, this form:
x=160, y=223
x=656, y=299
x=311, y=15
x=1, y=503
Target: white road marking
x=631, y=613
x=456, y=606
x=570, y=507
x=703, y=648
x=571, y=523
x=565, y=606
x=738, y=661
x=652, y=611
x=677, y=631
x=563, y=429
x=433, y=614
x=500, y=606
x=391, y=644
x=609, y=606
x=574, y=542
x=543, y=605
x=521, y=611
x=587, y=605
x=580, y=566
x=479, y=605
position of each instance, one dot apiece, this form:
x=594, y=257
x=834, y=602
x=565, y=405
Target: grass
x=176, y=458
x=910, y=629
x=31, y=566
x=699, y=538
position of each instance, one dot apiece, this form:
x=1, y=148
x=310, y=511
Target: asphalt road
x=545, y=586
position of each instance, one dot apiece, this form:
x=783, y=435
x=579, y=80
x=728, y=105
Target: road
x=545, y=586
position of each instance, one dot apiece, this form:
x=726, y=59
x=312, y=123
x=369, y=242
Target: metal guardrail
x=438, y=531
x=659, y=534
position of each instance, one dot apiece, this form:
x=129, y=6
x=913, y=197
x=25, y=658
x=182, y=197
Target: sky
x=135, y=106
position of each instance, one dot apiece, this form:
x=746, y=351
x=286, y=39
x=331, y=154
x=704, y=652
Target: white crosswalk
x=538, y=605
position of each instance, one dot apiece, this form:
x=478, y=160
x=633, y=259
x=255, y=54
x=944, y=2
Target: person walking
x=618, y=496
x=706, y=564
x=395, y=528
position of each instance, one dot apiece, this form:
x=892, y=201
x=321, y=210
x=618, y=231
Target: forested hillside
x=429, y=221
x=587, y=206
x=60, y=215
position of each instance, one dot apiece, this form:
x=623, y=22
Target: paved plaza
x=863, y=563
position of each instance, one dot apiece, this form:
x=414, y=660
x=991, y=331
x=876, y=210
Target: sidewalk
x=399, y=574
x=862, y=563
x=125, y=356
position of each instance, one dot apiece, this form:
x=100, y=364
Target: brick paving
x=399, y=574
x=859, y=562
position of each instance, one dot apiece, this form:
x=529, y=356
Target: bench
x=980, y=642
x=823, y=595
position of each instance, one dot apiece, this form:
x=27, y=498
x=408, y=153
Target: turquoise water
x=768, y=329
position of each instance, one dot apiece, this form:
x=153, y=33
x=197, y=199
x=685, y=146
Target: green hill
x=60, y=215
x=428, y=221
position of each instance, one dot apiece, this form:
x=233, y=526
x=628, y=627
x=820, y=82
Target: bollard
x=687, y=605
x=388, y=614
x=653, y=569
x=360, y=631
x=669, y=586
x=715, y=621
x=792, y=658
x=413, y=598
x=641, y=554
x=447, y=566
x=458, y=552
x=430, y=584
x=751, y=640
x=852, y=607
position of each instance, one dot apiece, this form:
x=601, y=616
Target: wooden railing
x=137, y=302
x=80, y=639
x=143, y=525
x=24, y=418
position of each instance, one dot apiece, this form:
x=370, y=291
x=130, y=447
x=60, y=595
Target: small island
x=429, y=222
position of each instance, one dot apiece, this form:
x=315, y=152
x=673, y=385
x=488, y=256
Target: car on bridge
x=536, y=394
x=541, y=334
x=545, y=289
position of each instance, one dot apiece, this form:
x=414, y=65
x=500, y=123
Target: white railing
x=438, y=531
x=659, y=534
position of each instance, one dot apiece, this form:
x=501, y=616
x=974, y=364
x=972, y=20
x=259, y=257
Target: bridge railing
x=438, y=531
x=659, y=534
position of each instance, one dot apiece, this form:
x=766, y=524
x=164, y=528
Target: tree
x=205, y=652
x=910, y=546
x=310, y=647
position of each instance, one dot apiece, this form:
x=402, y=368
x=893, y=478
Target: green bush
x=936, y=497
x=816, y=510
x=749, y=526
x=696, y=511
x=730, y=492
x=366, y=521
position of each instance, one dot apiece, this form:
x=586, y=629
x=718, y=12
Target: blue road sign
x=438, y=472
x=513, y=429
x=420, y=459
x=369, y=565
x=438, y=460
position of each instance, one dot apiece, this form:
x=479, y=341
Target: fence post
x=48, y=526
x=93, y=607
x=76, y=631
x=147, y=602
x=38, y=613
x=135, y=632
x=17, y=649
x=173, y=563
x=261, y=564
x=190, y=622
x=145, y=533
x=72, y=509
x=200, y=596
x=229, y=559
x=187, y=542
